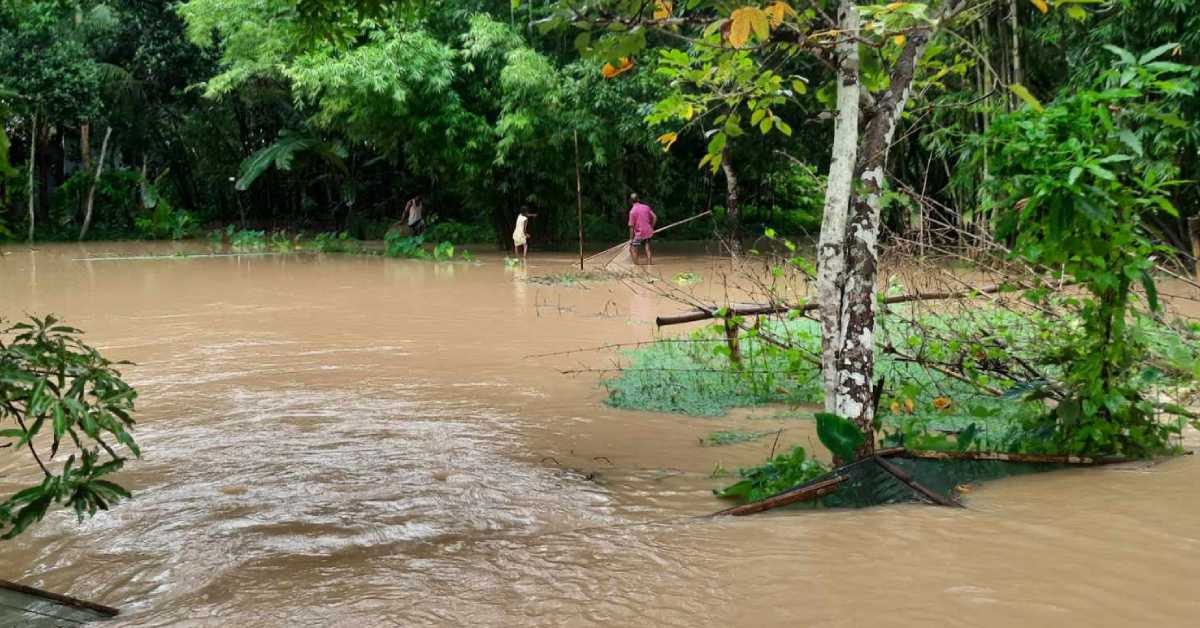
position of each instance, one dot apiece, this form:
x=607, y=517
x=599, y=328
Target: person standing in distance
x=641, y=229
x=414, y=216
x=520, y=235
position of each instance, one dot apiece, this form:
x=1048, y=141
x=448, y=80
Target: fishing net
x=620, y=262
x=870, y=483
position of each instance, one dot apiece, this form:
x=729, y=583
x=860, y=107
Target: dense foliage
x=330, y=115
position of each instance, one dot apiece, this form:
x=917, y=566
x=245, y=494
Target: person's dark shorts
x=639, y=242
x=417, y=227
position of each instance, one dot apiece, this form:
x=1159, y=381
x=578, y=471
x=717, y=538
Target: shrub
x=53, y=384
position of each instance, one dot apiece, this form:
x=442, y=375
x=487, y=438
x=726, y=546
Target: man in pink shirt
x=641, y=228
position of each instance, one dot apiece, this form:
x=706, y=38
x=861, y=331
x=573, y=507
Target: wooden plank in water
x=803, y=493
x=64, y=600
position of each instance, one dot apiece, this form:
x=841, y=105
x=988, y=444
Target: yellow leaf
x=667, y=140
x=662, y=9
x=762, y=25
x=739, y=28
x=896, y=5
x=1024, y=95
x=777, y=12
x=688, y=111
x=745, y=19
x=1041, y=5
x=899, y=39
x=610, y=72
x=941, y=403
x=895, y=408
x=909, y=405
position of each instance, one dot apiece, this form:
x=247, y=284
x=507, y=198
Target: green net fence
x=869, y=482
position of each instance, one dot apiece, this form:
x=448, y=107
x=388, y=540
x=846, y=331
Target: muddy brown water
x=350, y=441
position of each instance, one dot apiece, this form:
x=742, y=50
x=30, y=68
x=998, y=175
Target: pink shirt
x=641, y=218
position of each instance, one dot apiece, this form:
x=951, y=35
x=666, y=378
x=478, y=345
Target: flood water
x=354, y=441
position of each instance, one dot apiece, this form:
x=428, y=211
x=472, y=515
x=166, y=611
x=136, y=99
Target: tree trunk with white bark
x=91, y=195
x=856, y=354
x=848, y=251
x=733, y=219
x=830, y=247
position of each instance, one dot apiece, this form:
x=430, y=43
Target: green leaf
x=1156, y=53
x=1101, y=172
x=1074, y=175
x=1129, y=139
x=583, y=41
x=1125, y=56
x=967, y=437
x=1151, y=291
x=716, y=144
x=839, y=435
x=31, y=513
x=112, y=489
x=740, y=490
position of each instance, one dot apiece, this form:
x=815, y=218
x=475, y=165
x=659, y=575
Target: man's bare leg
x=649, y=255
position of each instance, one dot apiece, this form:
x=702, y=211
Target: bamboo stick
x=656, y=232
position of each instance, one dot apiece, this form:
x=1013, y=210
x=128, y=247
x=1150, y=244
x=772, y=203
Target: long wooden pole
x=579, y=198
x=656, y=232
